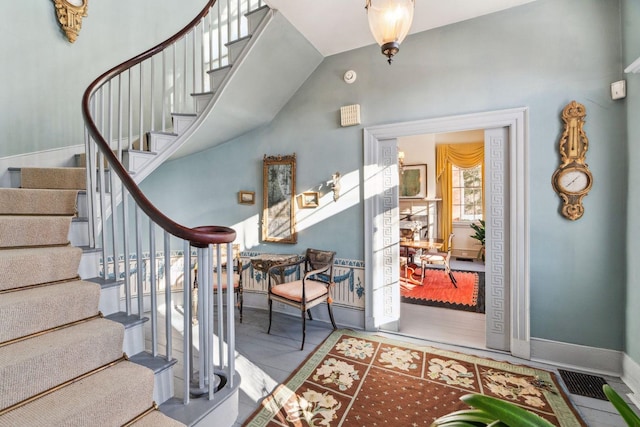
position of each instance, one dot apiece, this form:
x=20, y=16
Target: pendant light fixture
x=390, y=21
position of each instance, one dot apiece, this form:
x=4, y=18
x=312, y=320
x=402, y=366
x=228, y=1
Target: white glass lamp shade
x=390, y=21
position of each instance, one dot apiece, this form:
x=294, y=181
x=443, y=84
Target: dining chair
x=237, y=278
x=313, y=288
x=439, y=258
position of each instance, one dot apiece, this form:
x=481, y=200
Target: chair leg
x=309, y=313
x=453, y=279
x=422, y=264
x=240, y=304
x=333, y=322
x=270, y=307
x=304, y=329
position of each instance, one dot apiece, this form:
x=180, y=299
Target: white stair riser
x=160, y=141
x=202, y=100
x=109, y=300
x=89, y=265
x=82, y=205
x=217, y=76
x=163, y=385
x=14, y=178
x=134, y=160
x=236, y=48
x=79, y=233
x=254, y=18
x=133, y=339
x=182, y=122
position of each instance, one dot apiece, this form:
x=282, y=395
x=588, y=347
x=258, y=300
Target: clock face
x=574, y=181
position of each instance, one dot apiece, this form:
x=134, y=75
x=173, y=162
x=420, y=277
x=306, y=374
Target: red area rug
x=438, y=291
x=358, y=379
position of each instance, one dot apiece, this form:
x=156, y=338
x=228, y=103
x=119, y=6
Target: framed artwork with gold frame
x=246, y=197
x=279, y=190
x=310, y=199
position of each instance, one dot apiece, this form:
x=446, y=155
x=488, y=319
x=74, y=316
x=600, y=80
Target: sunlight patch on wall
x=349, y=196
x=248, y=232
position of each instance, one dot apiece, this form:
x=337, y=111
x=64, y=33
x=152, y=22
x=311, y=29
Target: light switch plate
x=618, y=89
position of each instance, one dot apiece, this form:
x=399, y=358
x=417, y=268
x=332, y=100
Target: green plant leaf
x=458, y=423
x=479, y=229
x=621, y=406
x=466, y=415
x=510, y=414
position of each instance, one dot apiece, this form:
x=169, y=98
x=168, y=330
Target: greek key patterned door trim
x=508, y=324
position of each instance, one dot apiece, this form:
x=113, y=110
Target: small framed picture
x=246, y=197
x=310, y=199
x=413, y=182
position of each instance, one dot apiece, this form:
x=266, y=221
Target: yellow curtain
x=463, y=156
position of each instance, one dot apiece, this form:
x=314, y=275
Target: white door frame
x=506, y=168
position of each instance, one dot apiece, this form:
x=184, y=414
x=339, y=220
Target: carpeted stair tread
x=66, y=353
x=30, y=266
x=110, y=397
x=18, y=201
x=157, y=419
x=16, y=231
x=25, y=312
x=54, y=178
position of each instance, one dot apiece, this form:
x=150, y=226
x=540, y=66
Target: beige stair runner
x=24, y=266
x=60, y=362
x=54, y=178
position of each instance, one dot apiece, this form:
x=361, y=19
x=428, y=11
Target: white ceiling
x=335, y=26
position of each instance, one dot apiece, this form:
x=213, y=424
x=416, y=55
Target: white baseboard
x=631, y=377
x=578, y=357
x=55, y=157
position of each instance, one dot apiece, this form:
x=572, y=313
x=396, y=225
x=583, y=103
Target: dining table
x=431, y=245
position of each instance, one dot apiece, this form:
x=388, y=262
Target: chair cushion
x=293, y=290
x=432, y=258
x=236, y=280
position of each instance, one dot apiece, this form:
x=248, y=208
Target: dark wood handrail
x=199, y=235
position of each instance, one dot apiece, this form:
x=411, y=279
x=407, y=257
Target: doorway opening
x=507, y=247
x=432, y=307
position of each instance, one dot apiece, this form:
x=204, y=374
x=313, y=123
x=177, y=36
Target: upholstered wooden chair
x=313, y=288
x=439, y=258
x=237, y=277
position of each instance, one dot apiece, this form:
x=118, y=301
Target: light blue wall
x=541, y=56
x=44, y=76
x=631, y=26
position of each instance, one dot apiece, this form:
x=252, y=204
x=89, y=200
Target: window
x=466, y=204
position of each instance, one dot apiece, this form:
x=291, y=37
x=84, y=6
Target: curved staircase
x=61, y=362
x=216, y=94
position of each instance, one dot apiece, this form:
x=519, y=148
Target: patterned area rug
x=436, y=289
x=366, y=380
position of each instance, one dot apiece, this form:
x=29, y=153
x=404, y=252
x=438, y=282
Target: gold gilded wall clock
x=572, y=180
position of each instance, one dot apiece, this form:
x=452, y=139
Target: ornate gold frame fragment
x=70, y=16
